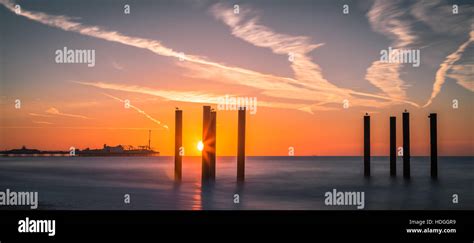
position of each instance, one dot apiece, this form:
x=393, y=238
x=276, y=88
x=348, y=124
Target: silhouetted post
x=206, y=121
x=212, y=145
x=406, y=144
x=241, y=146
x=178, y=143
x=434, y=145
x=366, y=145
x=393, y=146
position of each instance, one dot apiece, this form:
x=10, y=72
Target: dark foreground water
x=271, y=183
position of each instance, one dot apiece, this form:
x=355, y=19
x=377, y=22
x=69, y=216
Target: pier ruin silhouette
x=208, y=169
x=406, y=145
x=208, y=153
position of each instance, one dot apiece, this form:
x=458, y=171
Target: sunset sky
x=187, y=54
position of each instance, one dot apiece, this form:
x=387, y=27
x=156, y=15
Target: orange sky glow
x=301, y=71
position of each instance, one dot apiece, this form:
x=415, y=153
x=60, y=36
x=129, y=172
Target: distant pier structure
x=241, y=145
x=178, y=144
x=406, y=144
x=434, y=145
x=366, y=145
x=393, y=146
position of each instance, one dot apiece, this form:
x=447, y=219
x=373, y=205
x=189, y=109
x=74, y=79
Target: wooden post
x=366, y=145
x=434, y=145
x=205, y=140
x=393, y=146
x=406, y=144
x=241, y=146
x=178, y=143
x=212, y=143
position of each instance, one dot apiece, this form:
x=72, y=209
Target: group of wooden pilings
x=208, y=169
x=406, y=145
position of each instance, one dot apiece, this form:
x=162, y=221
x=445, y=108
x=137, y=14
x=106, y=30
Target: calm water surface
x=271, y=183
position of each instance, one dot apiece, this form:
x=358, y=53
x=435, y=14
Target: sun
x=200, y=146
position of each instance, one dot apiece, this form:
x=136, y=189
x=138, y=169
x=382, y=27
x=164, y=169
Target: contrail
x=54, y=111
x=139, y=111
x=266, y=82
x=195, y=97
x=387, y=18
x=446, y=65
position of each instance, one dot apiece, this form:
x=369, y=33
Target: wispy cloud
x=245, y=26
x=182, y=96
x=68, y=24
x=398, y=24
x=139, y=111
x=439, y=17
x=193, y=97
x=43, y=122
x=272, y=86
x=386, y=77
x=387, y=18
x=56, y=112
x=308, y=85
x=39, y=115
x=117, y=65
x=463, y=74
x=253, y=78
x=465, y=81
x=308, y=82
x=79, y=128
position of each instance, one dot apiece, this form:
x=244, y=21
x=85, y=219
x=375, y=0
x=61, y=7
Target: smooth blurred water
x=288, y=183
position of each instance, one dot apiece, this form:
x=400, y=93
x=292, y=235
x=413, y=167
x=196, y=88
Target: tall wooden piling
x=367, y=145
x=178, y=144
x=206, y=121
x=434, y=145
x=393, y=146
x=212, y=145
x=241, y=145
x=406, y=144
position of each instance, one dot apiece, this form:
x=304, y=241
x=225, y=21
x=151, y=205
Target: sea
x=271, y=183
